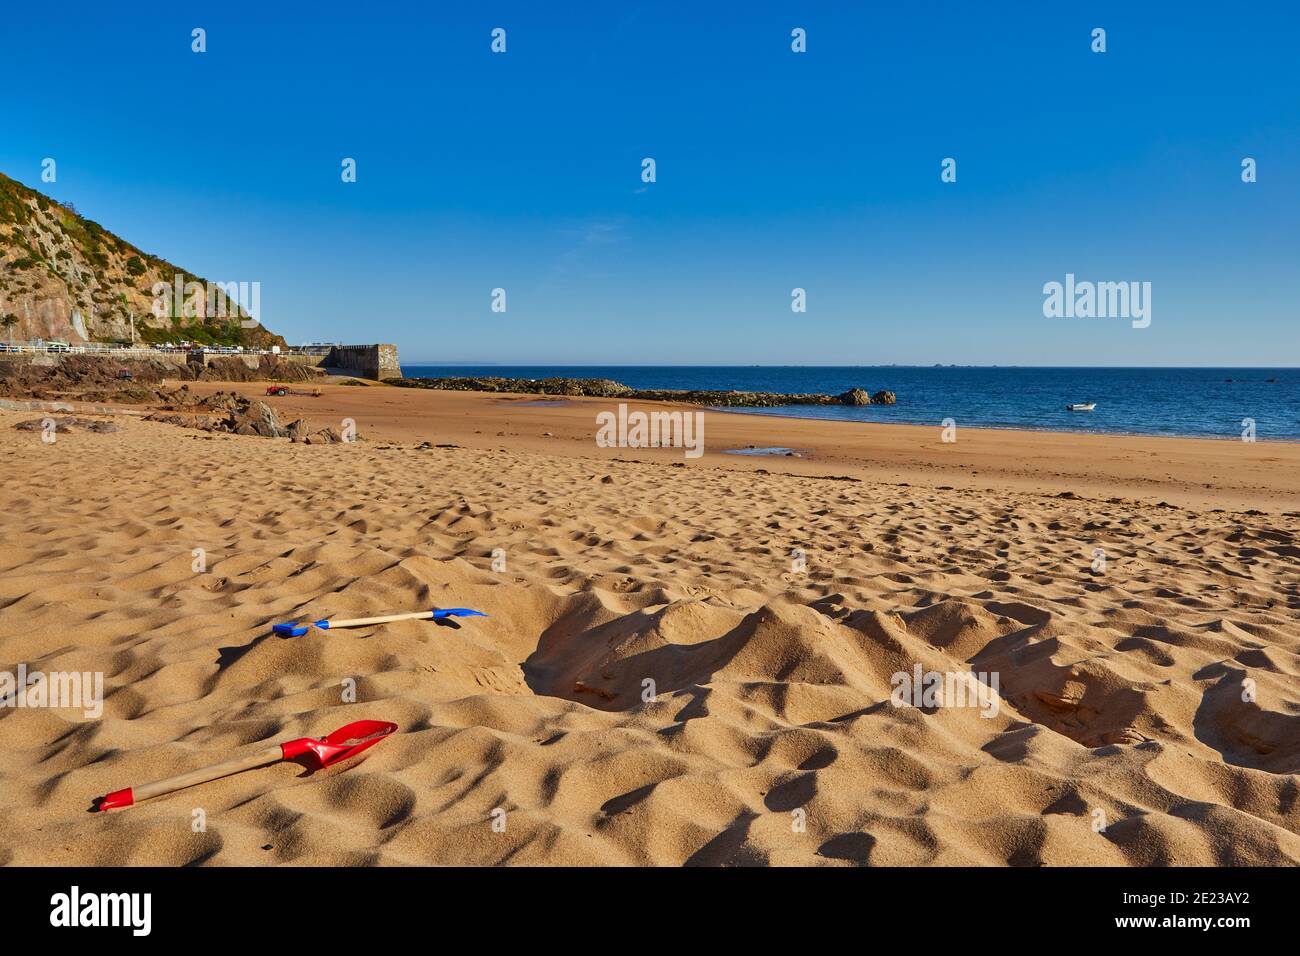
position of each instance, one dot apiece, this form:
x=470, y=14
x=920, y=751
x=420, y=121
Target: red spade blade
x=347, y=741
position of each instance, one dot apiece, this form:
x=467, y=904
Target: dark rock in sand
x=326, y=436
x=201, y=422
x=67, y=424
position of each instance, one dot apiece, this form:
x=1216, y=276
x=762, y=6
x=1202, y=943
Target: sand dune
x=766, y=735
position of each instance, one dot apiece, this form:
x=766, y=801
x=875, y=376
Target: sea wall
x=179, y=359
x=376, y=362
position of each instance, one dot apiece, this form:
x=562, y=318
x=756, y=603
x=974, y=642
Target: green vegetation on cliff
x=62, y=274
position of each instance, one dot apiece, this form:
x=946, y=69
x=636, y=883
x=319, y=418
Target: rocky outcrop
x=269, y=368
x=605, y=388
x=233, y=413
x=596, y=387
x=255, y=418
x=883, y=397
x=102, y=378
x=84, y=377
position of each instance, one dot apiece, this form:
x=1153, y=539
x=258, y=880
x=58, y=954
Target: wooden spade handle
x=195, y=777
x=361, y=621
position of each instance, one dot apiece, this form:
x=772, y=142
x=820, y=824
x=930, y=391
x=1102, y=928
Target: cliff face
x=65, y=277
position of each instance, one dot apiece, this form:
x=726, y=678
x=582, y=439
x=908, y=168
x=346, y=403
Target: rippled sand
x=767, y=735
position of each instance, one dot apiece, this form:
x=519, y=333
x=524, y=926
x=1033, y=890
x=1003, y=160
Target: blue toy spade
x=294, y=629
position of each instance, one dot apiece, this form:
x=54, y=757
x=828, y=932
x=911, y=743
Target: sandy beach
x=686, y=661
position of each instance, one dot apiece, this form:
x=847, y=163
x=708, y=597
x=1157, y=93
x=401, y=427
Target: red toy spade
x=339, y=746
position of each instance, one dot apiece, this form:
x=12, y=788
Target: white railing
x=102, y=348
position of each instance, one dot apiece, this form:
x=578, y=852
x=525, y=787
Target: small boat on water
x=1081, y=407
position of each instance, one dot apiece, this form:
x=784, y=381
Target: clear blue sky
x=775, y=170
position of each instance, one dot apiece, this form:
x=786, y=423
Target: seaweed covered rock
x=605, y=388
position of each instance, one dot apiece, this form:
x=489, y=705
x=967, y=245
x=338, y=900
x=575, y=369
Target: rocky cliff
x=63, y=276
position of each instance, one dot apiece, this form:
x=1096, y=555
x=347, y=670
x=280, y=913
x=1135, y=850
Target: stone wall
x=376, y=362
